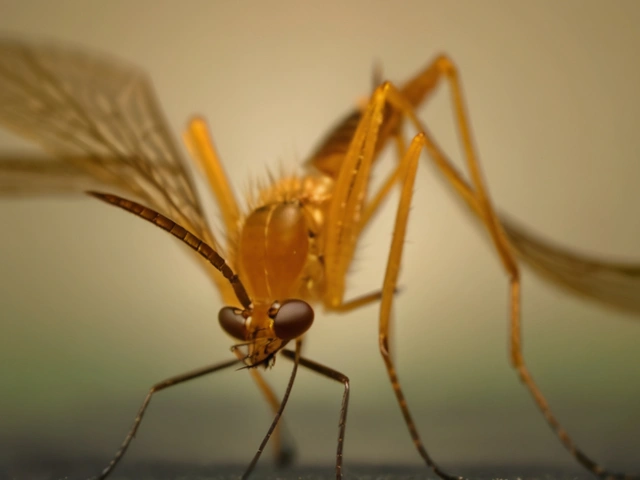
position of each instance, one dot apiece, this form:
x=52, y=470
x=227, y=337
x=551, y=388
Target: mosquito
x=291, y=250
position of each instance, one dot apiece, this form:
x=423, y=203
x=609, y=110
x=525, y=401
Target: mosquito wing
x=100, y=120
x=21, y=176
x=616, y=284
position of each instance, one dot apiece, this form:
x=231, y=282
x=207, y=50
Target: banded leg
x=339, y=377
x=169, y=382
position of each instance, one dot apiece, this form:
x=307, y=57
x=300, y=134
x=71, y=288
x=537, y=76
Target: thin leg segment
x=284, y=448
x=198, y=140
x=410, y=162
x=485, y=210
x=393, y=179
x=342, y=230
x=339, y=377
x=170, y=382
x=278, y=414
x=477, y=198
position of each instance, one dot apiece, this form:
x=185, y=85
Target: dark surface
x=165, y=471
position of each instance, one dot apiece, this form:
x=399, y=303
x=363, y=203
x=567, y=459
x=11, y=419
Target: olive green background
x=95, y=305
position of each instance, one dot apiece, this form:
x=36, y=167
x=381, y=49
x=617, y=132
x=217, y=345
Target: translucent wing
x=27, y=176
x=101, y=121
x=20, y=176
x=616, y=284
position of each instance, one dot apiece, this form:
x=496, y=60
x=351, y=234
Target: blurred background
x=96, y=306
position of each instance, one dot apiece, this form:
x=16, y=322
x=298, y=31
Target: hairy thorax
x=279, y=251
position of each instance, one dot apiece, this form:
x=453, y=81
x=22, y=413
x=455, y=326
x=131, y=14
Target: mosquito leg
x=169, y=382
x=284, y=447
x=358, y=302
x=332, y=150
x=381, y=195
x=342, y=233
x=342, y=423
x=510, y=265
x=478, y=200
x=390, y=281
x=278, y=414
x=199, y=142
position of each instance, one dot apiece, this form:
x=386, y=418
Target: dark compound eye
x=232, y=321
x=293, y=318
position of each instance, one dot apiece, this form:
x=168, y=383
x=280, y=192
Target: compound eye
x=293, y=318
x=232, y=321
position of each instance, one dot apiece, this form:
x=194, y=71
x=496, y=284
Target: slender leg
x=347, y=204
x=284, y=448
x=278, y=414
x=342, y=231
x=200, y=145
x=483, y=206
x=333, y=152
x=198, y=141
x=478, y=200
x=374, y=204
x=389, y=285
x=358, y=302
x=342, y=423
x=347, y=209
x=170, y=382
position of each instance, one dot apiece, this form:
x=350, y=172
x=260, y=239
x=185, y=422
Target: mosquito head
x=265, y=329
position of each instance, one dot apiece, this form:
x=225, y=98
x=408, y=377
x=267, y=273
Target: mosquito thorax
x=273, y=250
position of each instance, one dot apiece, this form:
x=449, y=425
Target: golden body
x=295, y=245
x=280, y=246
x=280, y=250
